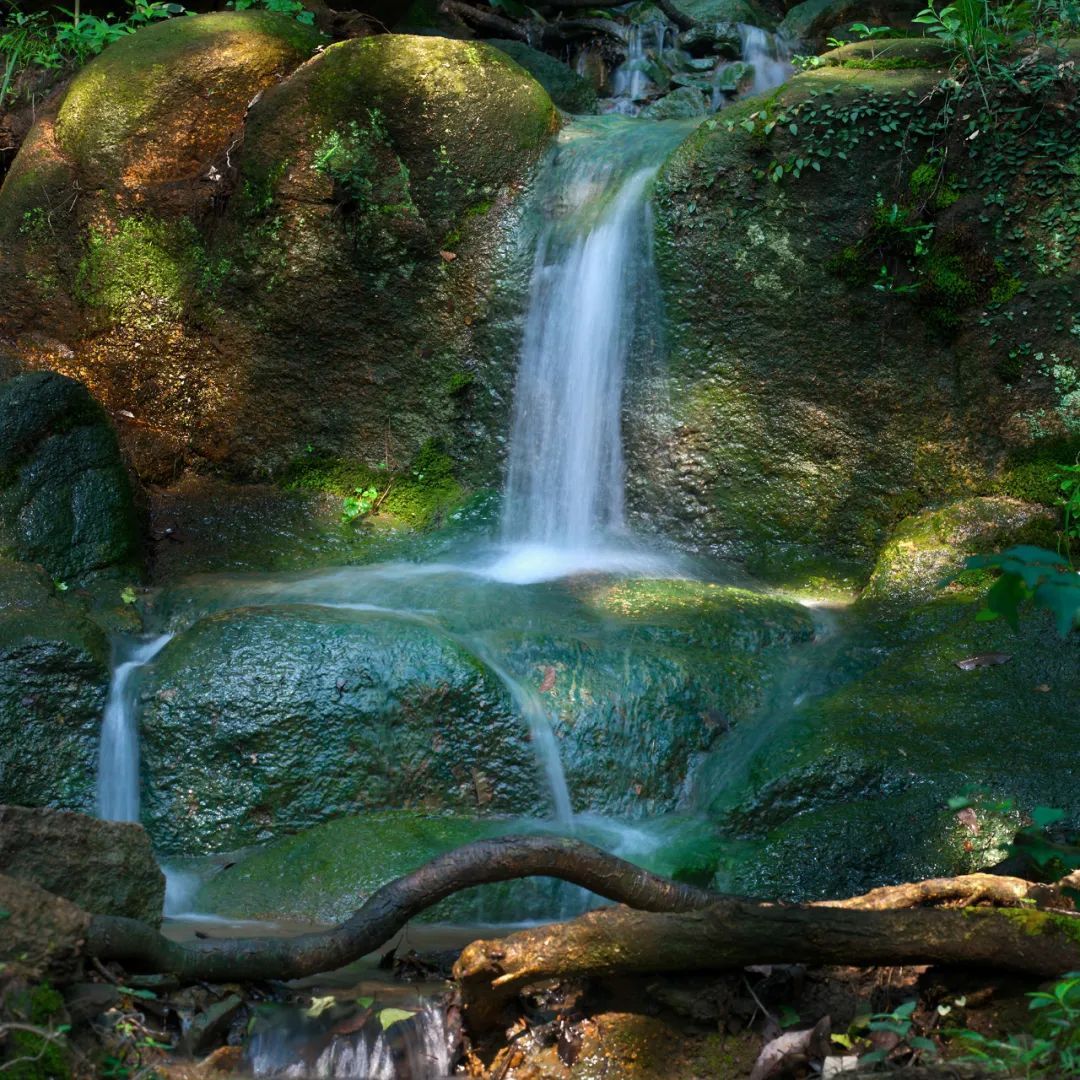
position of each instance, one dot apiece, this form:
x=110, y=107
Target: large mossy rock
x=263, y=719
x=158, y=106
x=65, y=498
x=806, y=411
x=855, y=786
x=257, y=721
x=269, y=259
x=849, y=782
x=106, y=867
x=927, y=548
x=54, y=674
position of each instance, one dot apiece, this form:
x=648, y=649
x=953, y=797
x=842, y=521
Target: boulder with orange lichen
x=244, y=255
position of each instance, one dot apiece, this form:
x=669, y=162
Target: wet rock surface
x=54, y=673
x=65, y=498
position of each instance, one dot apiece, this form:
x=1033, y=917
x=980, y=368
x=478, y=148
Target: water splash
x=118, y=762
x=413, y=1048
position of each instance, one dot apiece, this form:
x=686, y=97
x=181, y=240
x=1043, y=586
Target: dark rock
x=41, y=934
x=54, y=676
x=246, y=734
x=106, y=867
x=65, y=499
x=209, y=1027
x=568, y=89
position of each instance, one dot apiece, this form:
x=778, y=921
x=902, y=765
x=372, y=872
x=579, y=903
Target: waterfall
x=630, y=81
x=768, y=56
x=118, y=763
x=564, y=488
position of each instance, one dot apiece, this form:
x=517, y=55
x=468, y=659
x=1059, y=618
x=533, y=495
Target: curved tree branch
x=140, y=948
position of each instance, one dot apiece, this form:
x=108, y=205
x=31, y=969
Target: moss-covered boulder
x=812, y=21
x=65, y=498
x=788, y=428
x=54, y=674
x=637, y=681
x=159, y=105
x=258, y=721
x=926, y=548
x=567, y=89
x=851, y=789
x=324, y=873
x=269, y=258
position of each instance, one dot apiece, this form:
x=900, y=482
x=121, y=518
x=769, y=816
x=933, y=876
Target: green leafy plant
x=34, y=39
x=283, y=7
x=899, y=1022
x=358, y=504
x=863, y=32
x=1030, y=575
x=1051, y=1049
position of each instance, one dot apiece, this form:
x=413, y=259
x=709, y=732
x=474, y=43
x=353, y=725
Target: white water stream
x=118, y=763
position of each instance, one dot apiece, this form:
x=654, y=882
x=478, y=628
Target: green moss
x=1032, y=921
x=418, y=497
x=146, y=270
x=42, y=1059
x=1005, y=288
x=887, y=63
x=330, y=476
x=428, y=492
x=125, y=108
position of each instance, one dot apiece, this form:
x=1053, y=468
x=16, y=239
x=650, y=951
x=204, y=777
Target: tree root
x=676, y=927
x=552, y=33
x=883, y=928
x=140, y=948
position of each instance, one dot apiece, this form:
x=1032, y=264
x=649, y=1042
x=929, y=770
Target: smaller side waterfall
x=118, y=761
x=768, y=56
x=630, y=82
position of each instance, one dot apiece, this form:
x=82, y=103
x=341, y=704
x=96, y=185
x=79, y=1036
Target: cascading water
x=564, y=489
x=118, y=763
x=631, y=82
x=768, y=56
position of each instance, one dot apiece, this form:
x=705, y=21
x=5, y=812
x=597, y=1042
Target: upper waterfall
x=564, y=491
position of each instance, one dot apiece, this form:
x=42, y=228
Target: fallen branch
x=681, y=20
x=736, y=933
x=140, y=948
x=676, y=927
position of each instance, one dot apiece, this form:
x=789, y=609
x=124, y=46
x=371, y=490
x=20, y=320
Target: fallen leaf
x=989, y=659
x=389, y=1017
x=319, y=1005
x=448, y=256
x=791, y=1050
